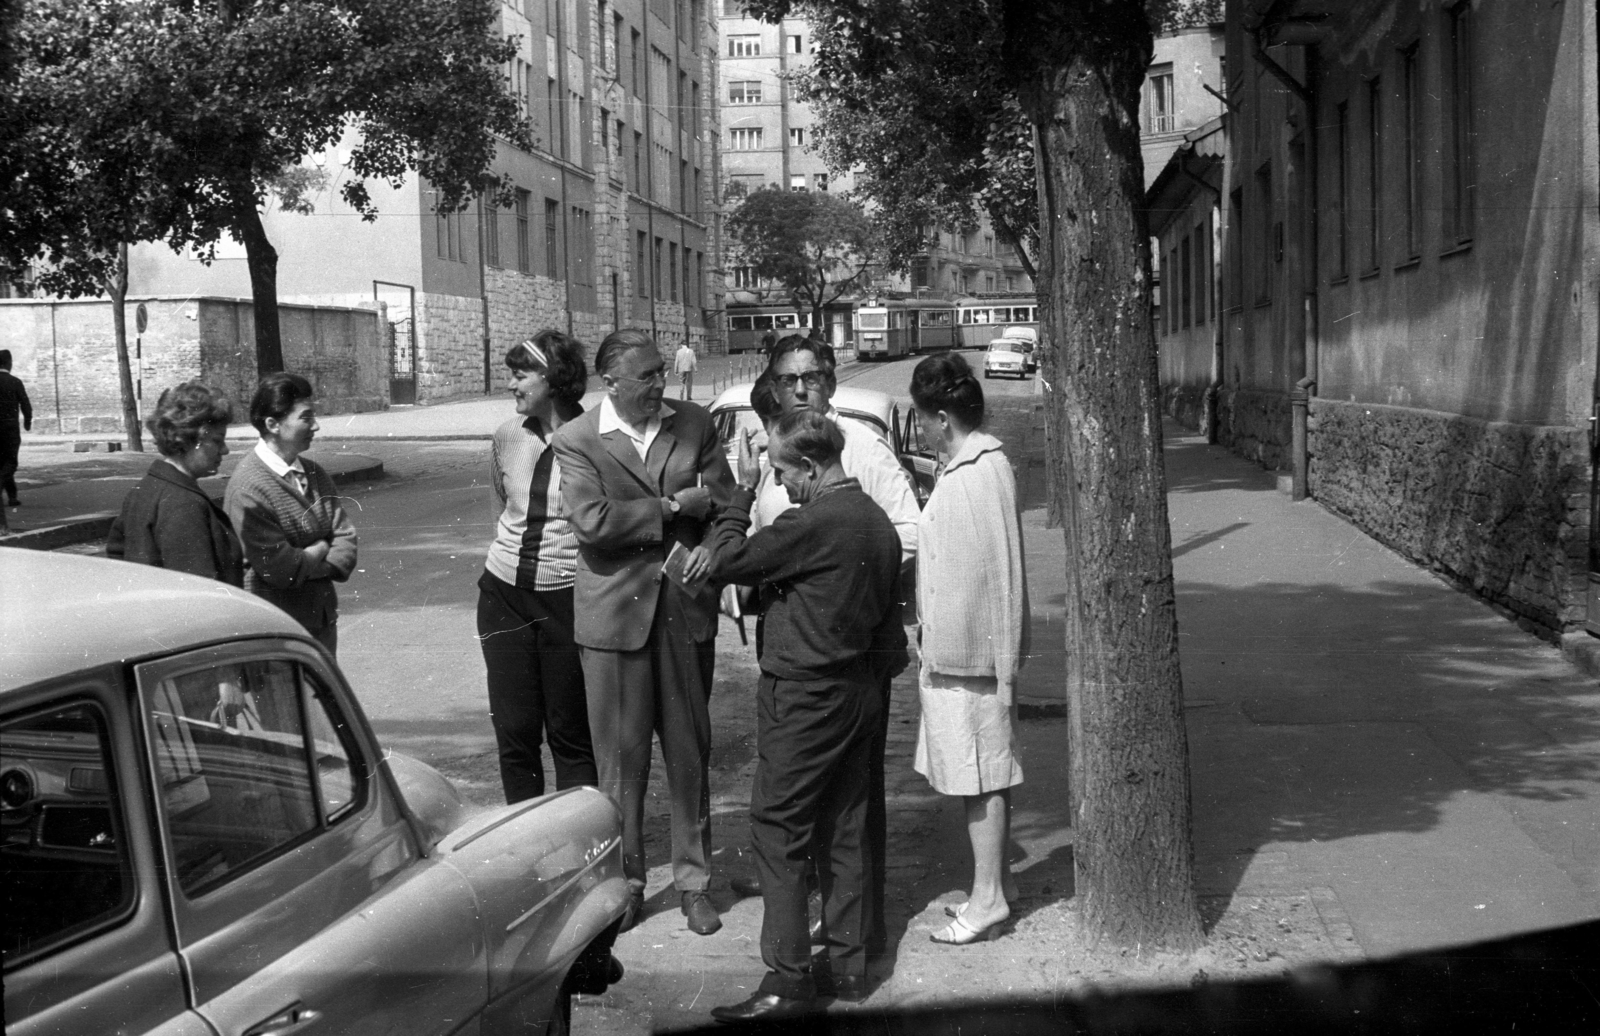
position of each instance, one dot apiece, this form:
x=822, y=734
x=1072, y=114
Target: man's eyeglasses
x=660, y=375
x=813, y=379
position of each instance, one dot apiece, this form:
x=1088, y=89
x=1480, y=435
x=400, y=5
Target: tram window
x=761, y=322
x=741, y=323
x=784, y=321
x=937, y=318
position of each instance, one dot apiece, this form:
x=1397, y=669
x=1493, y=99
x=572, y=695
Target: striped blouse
x=534, y=546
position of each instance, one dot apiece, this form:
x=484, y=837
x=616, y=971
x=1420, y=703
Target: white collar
x=275, y=463
x=611, y=421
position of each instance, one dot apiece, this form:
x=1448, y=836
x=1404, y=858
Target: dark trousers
x=10, y=445
x=809, y=801
x=535, y=686
x=877, y=835
x=662, y=688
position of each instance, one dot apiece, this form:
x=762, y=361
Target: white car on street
x=1008, y=357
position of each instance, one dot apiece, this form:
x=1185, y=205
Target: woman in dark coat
x=167, y=520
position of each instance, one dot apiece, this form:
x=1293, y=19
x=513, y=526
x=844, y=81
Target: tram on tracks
x=747, y=327
x=904, y=327
x=980, y=320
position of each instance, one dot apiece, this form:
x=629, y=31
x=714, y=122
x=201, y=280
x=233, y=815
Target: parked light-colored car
x=1029, y=337
x=1008, y=357
x=731, y=413
x=201, y=835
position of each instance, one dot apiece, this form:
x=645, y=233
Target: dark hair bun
x=945, y=382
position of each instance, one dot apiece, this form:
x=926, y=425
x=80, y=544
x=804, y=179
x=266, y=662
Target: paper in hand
x=677, y=559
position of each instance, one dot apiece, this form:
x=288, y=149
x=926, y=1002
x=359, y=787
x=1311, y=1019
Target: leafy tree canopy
x=135, y=120
x=817, y=247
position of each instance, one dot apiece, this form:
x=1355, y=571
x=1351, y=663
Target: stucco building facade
x=1409, y=244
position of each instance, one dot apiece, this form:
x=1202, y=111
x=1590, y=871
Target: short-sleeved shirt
x=534, y=546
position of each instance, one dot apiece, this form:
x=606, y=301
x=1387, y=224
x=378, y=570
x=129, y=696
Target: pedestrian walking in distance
x=685, y=363
x=831, y=628
x=639, y=479
x=167, y=520
x=16, y=416
x=972, y=596
x=297, y=539
x=525, y=614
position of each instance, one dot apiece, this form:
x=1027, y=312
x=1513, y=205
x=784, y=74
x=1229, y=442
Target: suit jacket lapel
x=661, y=449
x=622, y=451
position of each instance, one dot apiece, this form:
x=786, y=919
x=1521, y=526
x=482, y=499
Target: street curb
x=1583, y=651
x=87, y=527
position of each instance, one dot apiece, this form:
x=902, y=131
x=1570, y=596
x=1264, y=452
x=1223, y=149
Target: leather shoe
x=703, y=919
x=614, y=971
x=849, y=988
x=635, y=912
x=763, y=1005
x=750, y=886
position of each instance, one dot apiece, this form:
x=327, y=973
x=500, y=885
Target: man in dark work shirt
x=831, y=628
x=13, y=405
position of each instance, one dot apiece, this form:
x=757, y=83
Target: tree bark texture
x=117, y=288
x=262, y=259
x=1132, y=845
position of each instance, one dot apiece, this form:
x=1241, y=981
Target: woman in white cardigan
x=972, y=595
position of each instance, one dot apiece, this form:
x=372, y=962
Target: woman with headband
x=525, y=594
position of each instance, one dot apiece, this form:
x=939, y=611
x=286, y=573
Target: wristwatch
x=673, y=505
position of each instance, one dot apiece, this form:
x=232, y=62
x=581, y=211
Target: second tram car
x=904, y=327
x=981, y=320
x=750, y=323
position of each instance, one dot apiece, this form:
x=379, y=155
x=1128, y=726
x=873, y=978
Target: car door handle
x=289, y=1020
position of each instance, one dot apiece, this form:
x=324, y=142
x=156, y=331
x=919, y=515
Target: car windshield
x=1005, y=345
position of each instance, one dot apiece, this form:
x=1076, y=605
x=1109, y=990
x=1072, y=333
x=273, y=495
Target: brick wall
x=1500, y=509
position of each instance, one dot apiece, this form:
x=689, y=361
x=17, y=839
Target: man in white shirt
x=684, y=364
x=802, y=371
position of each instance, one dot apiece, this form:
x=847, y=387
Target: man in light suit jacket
x=638, y=476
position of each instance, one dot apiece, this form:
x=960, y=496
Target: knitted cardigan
x=276, y=523
x=972, y=588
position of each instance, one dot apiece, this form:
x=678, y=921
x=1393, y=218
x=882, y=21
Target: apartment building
x=612, y=223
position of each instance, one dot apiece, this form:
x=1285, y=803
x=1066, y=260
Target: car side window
x=66, y=868
x=250, y=758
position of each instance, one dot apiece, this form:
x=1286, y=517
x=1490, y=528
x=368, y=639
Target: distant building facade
x=1175, y=99
x=612, y=225
x=769, y=141
x=1410, y=244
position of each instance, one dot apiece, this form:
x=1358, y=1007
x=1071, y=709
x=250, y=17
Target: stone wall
x=1256, y=425
x=449, y=347
x=1500, y=509
x=1185, y=404
x=65, y=350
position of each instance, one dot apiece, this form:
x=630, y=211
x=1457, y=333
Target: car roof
x=870, y=402
x=66, y=613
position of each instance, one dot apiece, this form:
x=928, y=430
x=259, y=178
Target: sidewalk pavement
x=1380, y=764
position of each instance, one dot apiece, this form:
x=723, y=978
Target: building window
x=694, y=109
x=1159, y=116
x=1171, y=288
x=1202, y=271
x=797, y=181
x=797, y=136
x=744, y=46
x=988, y=244
x=743, y=277
x=1183, y=275
x=745, y=139
x=1266, y=242
x=553, y=137
x=1462, y=173
x=819, y=181
x=444, y=235
x=552, y=228
x=796, y=44
x=919, y=273
x=683, y=187
x=1011, y=282
x=638, y=163
x=744, y=91
x=641, y=271
x=634, y=81
x=491, y=228
x=655, y=270
x=616, y=44
x=672, y=270
x=1410, y=111
x=1236, y=247
x=1341, y=191
x=1374, y=169
x=700, y=279
x=524, y=247
x=988, y=282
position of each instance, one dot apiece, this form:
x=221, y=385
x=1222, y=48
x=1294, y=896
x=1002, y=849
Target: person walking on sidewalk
x=639, y=479
x=525, y=614
x=167, y=520
x=972, y=596
x=831, y=627
x=16, y=416
x=297, y=539
x=684, y=364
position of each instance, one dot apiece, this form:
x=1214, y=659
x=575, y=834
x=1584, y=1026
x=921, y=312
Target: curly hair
x=559, y=358
x=806, y=433
x=945, y=382
x=183, y=414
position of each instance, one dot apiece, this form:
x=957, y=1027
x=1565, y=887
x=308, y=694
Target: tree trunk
x=263, y=262
x=117, y=288
x=1132, y=845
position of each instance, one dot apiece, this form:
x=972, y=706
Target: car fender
x=547, y=874
x=435, y=806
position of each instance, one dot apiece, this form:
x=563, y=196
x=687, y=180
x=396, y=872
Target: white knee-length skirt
x=965, y=744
